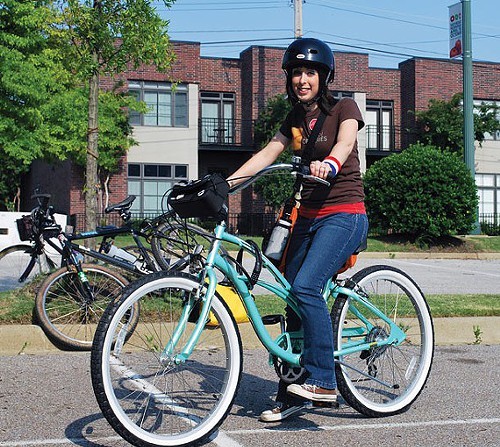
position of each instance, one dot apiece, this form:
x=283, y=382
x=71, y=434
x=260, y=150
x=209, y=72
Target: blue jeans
x=318, y=248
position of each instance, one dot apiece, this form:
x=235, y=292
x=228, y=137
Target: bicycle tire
x=63, y=312
x=150, y=402
x=172, y=241
x=13, y=262
x=386, y=380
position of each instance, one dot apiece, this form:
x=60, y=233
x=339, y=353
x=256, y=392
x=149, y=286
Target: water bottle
x=120, y=254
x=278, y=240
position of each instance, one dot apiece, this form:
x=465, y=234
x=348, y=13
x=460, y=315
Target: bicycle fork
x=73, y=263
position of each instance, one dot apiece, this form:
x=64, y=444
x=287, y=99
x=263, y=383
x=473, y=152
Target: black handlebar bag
x=205, y=197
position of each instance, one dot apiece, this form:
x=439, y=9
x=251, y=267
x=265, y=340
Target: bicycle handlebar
x=294, y=167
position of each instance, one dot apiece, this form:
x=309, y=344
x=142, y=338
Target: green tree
x=441, y=125
x=43, y=107
x=423, y=192
x=107, y=37
x=275, y=189
x=31, y=76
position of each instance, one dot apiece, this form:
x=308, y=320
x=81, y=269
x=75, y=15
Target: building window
x=488, y=188
x=339, y=95
x=217, y=118
x=149, y=182
x=379, y=125
x=167, y=106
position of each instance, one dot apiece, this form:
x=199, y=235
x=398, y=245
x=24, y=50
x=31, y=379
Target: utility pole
x=297, y=13
x=468, y=93
x=467, y=87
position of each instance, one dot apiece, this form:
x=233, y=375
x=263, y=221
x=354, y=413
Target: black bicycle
x=71, y=300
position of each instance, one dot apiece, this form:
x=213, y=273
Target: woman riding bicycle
x=332, y=221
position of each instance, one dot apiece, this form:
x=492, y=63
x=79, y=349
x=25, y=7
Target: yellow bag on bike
x=232, y=299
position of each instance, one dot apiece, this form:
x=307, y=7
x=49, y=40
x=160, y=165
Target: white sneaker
x=312, y=392
x=279, y=413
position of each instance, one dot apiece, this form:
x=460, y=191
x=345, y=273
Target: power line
x=383, y=44
x=234, y=31
x=406, y=51
x=394, y=19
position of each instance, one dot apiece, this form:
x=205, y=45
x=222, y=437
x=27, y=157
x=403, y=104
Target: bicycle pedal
x=273, y=319
x=325, y=404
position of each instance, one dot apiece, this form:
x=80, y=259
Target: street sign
x=455, y=18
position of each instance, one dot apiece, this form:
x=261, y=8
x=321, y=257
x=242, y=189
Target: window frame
x=142, y=181
x=176, y=110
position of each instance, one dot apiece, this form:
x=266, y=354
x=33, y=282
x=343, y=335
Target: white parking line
x=372, y=426
x=223, y=440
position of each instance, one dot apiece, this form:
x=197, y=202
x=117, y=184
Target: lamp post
x=468, y=99
x=467, y=87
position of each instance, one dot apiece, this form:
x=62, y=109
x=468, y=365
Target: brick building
x=205, y=122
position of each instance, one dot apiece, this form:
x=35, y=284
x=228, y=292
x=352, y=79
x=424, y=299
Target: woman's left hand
x=320, y=169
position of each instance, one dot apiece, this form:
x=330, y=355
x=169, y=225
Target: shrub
x=423, y=193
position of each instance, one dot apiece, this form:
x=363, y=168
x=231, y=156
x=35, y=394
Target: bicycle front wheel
x=13, y=263
x=67, y=314
x=148, y=395
x=383, y=380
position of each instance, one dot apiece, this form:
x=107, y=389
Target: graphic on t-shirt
x=296, y=138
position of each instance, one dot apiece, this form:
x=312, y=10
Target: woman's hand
x=320, y=169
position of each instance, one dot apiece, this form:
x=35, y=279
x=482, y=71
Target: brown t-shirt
x=347, y=186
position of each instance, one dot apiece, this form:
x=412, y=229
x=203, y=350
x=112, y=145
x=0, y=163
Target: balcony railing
x=380, y=138
x=225, y=132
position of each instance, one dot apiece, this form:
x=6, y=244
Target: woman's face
x=305, y=83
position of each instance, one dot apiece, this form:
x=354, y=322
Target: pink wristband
x=334, y=164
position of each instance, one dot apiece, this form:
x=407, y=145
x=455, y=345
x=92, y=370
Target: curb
x=30, y=339
x=427, y=255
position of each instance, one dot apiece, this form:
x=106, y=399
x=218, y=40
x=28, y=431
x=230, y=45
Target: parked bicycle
x=71, y=299
x=174, y=381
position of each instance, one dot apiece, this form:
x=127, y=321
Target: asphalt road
x=443, y=276
x=48, y=400
x=446, y=276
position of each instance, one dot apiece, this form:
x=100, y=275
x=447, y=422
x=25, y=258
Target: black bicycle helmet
x=309, y=52
x=305, y=51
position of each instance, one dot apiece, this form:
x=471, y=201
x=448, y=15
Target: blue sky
x=390, y=31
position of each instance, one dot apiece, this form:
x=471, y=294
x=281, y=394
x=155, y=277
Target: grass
x=16, y=307
x=441, y=305
x=396, y=243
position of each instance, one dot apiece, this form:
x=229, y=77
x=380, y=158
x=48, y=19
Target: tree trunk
x=92, y=186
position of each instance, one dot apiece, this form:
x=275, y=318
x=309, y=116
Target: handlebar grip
x=305, y=170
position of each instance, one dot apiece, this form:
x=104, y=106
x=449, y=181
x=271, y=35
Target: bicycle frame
x=283, y=290
x=111, y=232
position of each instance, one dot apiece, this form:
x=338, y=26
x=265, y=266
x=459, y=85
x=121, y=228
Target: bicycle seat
x=122, y=206
x=351, y=260
x=41, y=196
x=362, y=247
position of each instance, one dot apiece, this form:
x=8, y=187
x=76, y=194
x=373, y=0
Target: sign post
x=461, y=45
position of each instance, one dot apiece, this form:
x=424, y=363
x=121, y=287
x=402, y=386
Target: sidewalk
x=30, y=339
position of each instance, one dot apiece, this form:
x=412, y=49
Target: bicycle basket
x=25, y=228
x=200, y=198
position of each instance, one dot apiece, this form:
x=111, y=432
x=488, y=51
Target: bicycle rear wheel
x=155, y=401
x=384, y=380
x=66, y=314
x=172, y=241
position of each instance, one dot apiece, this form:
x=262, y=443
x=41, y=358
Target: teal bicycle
x=173, y=382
